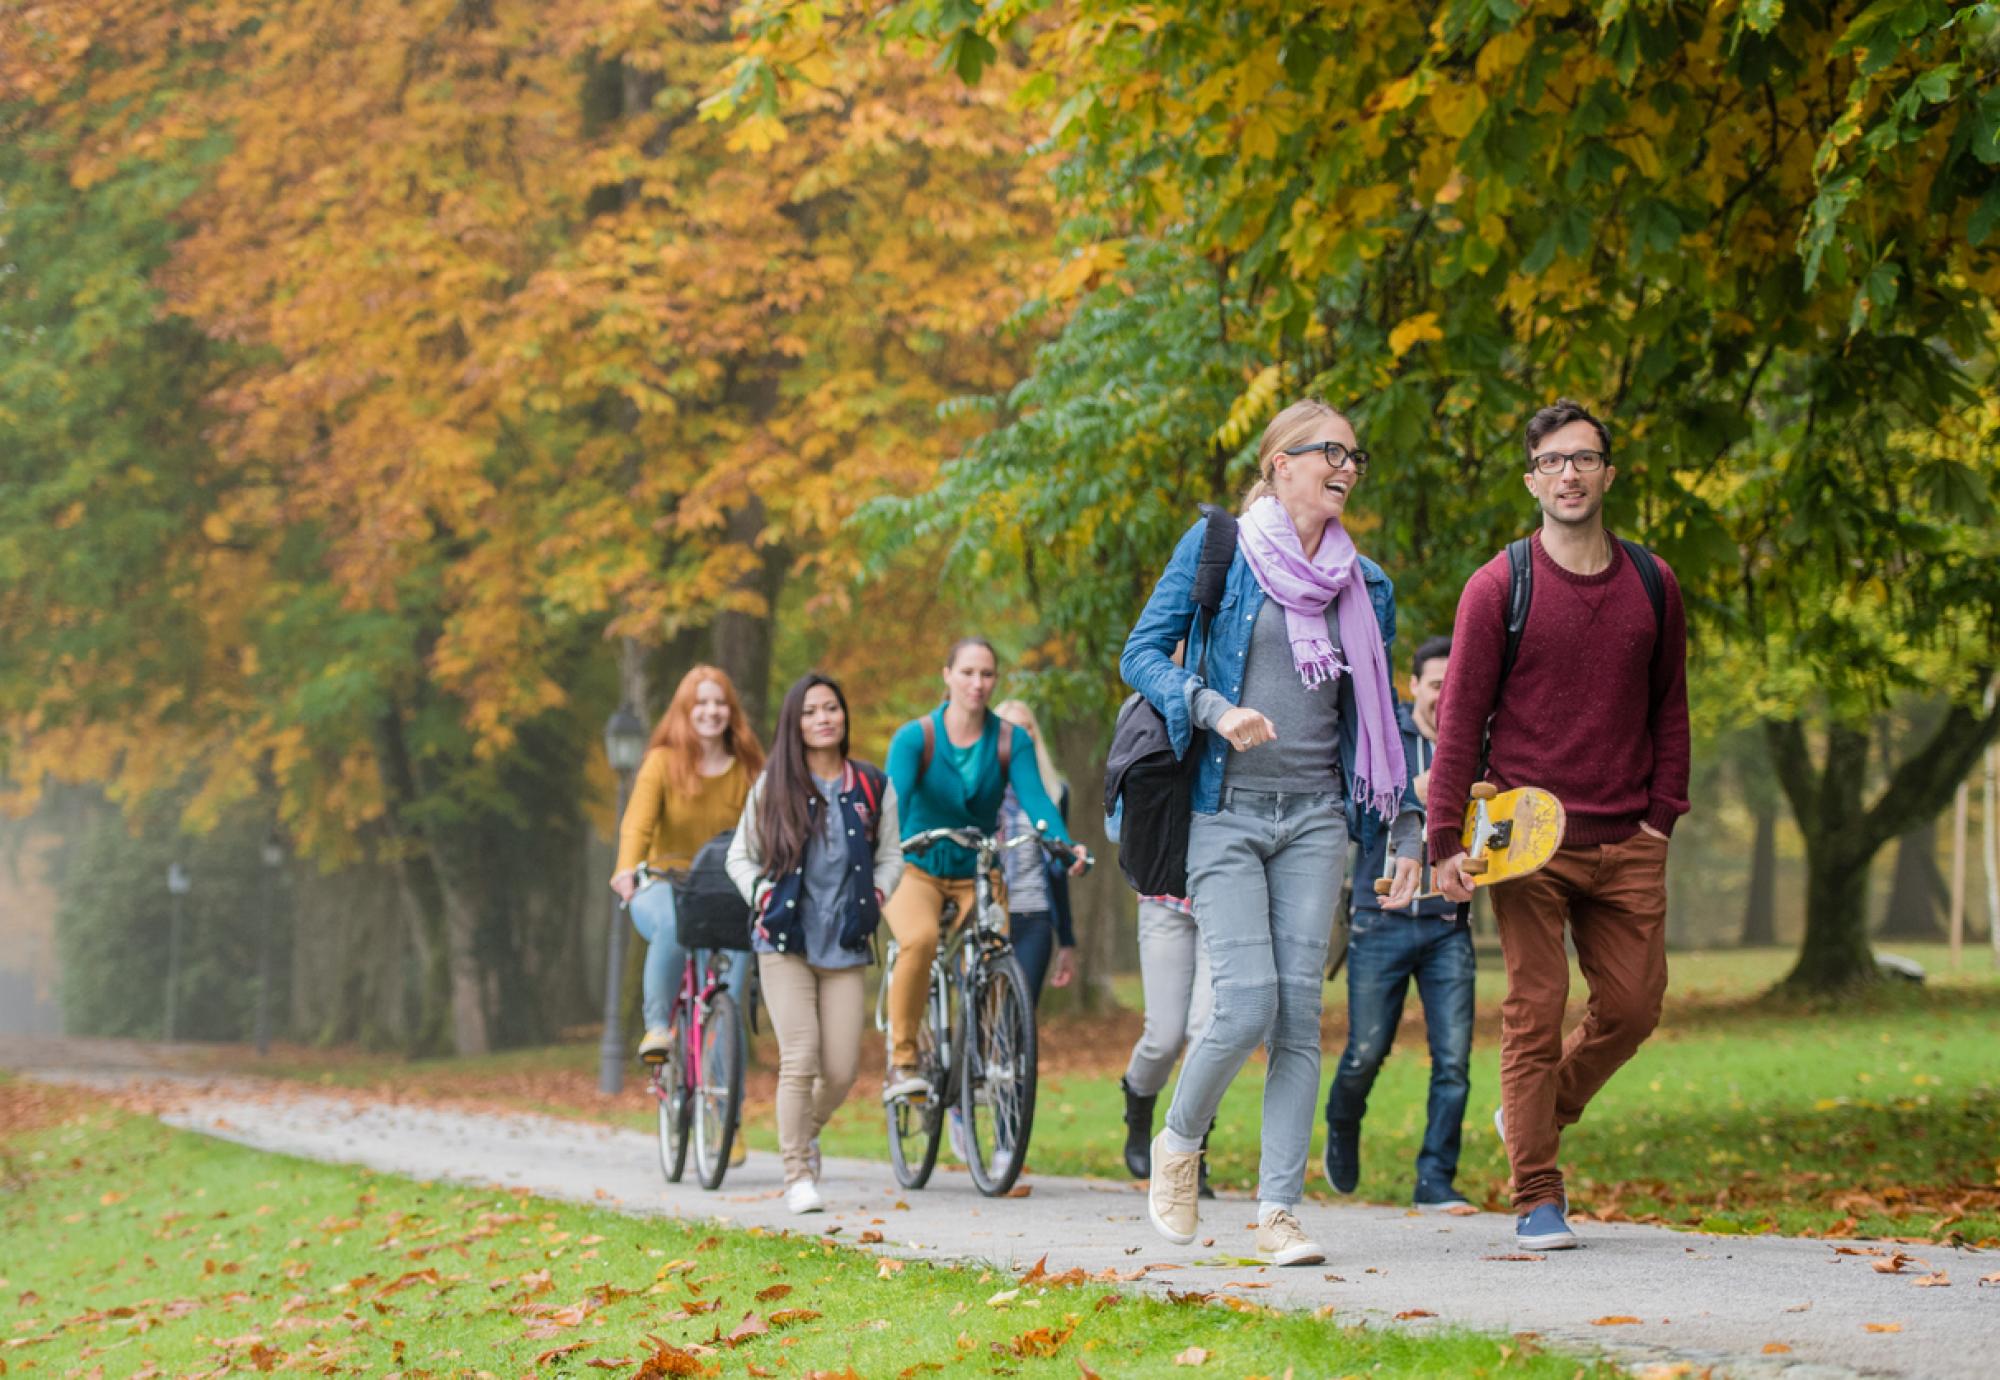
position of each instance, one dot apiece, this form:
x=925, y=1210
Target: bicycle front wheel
x=996, y=1084
x=670, y=1088
x=916, y=1125
x=718, y=1096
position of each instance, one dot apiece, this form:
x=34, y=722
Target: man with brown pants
x=1591, y=706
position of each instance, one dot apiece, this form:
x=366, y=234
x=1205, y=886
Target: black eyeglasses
x=1338, y=457
x=1585, y=461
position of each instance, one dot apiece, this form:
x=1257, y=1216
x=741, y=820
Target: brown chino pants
x=915, y=914
x=1614, y=899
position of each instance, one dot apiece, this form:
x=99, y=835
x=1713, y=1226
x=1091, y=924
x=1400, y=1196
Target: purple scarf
x=1303, y=589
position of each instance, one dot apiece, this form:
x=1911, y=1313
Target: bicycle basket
x=709, y=913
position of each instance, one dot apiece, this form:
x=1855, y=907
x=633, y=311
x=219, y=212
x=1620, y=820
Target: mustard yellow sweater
x=666, y=829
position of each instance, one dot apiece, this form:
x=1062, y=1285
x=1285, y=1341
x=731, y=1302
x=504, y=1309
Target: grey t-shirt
x=1306, y=754
x=829, y=876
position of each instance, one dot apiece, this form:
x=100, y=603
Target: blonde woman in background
x=1038, y=913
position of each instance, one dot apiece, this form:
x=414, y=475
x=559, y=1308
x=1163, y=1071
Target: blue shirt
x=963, y=787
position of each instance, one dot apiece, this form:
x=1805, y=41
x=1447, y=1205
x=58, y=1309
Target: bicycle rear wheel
x=718, y=1097
x=671, y=1089
x=996, y=1084
x=916, y=1125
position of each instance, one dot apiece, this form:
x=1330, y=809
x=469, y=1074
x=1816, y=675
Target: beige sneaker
x=1171, y=1197
x=657, y=1045
x=1282, y=1241
x=739, y=1150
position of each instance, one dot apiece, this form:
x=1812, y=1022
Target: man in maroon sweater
x=1594, y=710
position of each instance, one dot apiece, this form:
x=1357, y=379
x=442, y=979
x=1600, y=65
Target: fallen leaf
x=1086, y=1371
x=1003, y=1298
x=1020, y=1190
x=1940, y=1280
x=1461, y=1210
x=1893, y=1265
x=1042, y=1341
x=1193, y=1356
x=871, y=1238
x=751, y=1326
x=785, y=1317
x=266, y=1358
x=1409, y=1313
x=1993, y=1278
x=1515, y=1255
x=888, y=1267
x=667, y=1360
x=1614, y=1320
x=775, y=1291
x=1775, y=1348
x=556, y=1352
x=1037, y=1270
x=1882, y=1327
x=920, y=1368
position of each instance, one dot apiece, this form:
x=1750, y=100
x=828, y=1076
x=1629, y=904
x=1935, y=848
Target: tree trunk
x=742, y=636
x=1843, y=835
x=1760, y=911
x=1916, y=889
x=462, y=962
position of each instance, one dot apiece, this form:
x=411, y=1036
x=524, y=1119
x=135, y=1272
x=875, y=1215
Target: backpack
x=709, y=912
x=1149, y=789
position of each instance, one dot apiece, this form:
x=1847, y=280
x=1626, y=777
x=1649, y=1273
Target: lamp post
x=178, y=885
x=624, y=748
x=274, y=862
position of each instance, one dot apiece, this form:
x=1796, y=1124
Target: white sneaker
x=802, y=1195
x=1172, y=1196
x=904, y=1083
x=1282, y=1241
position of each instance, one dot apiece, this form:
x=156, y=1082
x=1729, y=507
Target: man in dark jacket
x=1385, y=950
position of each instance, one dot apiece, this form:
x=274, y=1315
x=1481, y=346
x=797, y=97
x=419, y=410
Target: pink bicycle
x=698, y=1084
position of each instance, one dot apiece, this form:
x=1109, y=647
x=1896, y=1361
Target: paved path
x=1705, y=1300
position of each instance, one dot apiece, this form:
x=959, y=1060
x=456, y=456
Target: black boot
x=1202, y=1190
x=1138, y=1132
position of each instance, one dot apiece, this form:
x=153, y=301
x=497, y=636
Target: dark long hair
x=784, y=812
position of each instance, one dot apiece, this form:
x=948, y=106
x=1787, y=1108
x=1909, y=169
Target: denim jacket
x=1169, y=616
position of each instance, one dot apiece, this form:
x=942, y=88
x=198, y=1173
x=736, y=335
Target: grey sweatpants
x=1173, y=967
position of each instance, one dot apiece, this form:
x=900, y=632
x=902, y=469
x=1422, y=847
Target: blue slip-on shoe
x=1438, y=1198
x=1543, y=1229
x=1342, y=1160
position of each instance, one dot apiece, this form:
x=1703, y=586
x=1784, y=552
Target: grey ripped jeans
x=1174, y=971
x=1265, y=870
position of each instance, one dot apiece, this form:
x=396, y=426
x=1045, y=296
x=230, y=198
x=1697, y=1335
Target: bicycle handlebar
x=973, y=839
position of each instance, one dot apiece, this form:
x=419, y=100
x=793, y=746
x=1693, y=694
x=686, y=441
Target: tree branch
x=1923, y=784
x=1793, y=762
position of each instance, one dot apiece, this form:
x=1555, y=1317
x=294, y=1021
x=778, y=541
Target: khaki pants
x=816, y=1014
x=913, y=914
x=1613, y=898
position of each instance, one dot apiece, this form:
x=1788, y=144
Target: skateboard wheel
x=1383, y=886
x=1475, y=867
x=1484, y=790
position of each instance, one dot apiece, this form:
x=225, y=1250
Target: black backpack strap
x=1648, y=566
x=1218, y=552
x=1520, y=593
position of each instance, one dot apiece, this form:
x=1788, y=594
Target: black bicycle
x=976, y=1045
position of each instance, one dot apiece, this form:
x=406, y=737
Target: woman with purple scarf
x=1287, y=702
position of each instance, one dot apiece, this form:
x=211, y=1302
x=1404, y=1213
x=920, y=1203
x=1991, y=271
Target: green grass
x=136, y=1250
x=1878, y=1116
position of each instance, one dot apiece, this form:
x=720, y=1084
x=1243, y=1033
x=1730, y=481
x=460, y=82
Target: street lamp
x=624, y=747
x=274, y=862
x=178, y=885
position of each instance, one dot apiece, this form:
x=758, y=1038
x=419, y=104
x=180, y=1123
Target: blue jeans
x=1384, y=951
x=1033, y=935
x=652, y=914
x=1265, y=872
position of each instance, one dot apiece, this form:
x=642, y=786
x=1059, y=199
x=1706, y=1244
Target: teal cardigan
x=941, y=801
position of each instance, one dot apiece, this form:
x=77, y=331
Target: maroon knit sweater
x=1588, y=712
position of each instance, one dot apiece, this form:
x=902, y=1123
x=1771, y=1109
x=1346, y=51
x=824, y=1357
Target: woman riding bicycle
x=947, y=774
x=690, y=787
x=814, y=854
x=1293, y=688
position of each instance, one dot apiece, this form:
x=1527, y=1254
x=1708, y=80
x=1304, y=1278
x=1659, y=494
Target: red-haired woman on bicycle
x=690, y=787
x=814, y=854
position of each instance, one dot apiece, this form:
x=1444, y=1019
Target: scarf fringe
x=1318, y=664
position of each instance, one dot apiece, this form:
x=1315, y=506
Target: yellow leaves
x=1457, y=108
x=1249, y=409
x=758, y=133
x=1502, y=53
x=1414, y=331
x=1082, y=270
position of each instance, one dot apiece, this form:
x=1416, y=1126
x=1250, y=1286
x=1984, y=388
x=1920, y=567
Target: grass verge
x=142, y=1251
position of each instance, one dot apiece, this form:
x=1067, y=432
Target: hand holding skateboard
x=1507, y=834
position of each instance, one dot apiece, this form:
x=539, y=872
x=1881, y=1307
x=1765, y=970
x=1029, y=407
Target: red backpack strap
x=930, y=749
x=1007, y=732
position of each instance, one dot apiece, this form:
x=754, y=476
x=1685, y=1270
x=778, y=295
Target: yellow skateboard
x=1507, y=834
